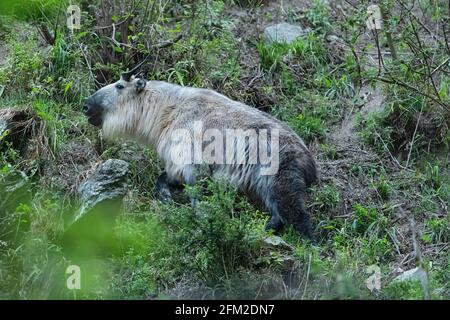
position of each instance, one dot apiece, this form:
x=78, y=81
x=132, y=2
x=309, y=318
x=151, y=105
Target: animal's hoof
x=162, y=193
x=162, y=189
x=309, y=236
x=274, y=224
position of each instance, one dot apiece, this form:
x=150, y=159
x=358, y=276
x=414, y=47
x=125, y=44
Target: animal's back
x=220, y=112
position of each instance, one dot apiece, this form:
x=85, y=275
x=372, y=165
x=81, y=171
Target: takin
x=199, y=132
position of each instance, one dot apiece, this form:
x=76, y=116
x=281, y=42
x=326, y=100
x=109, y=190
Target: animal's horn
x=127, y=75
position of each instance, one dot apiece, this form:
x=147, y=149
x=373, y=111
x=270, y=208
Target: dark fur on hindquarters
x=285, y=199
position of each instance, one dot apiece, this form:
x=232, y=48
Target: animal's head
x=107, y=101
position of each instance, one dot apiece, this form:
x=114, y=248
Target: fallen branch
x=407, y=86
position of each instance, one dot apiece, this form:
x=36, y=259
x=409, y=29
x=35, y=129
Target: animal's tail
x=286, y=198
x=308, y=167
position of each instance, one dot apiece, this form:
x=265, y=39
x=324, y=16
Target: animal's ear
x=140, y=85
x=125, y=76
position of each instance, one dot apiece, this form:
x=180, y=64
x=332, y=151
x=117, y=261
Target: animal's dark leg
x=194, y=174
x=286, y=200
x=274, y=224
x=257, y=199
x=291, y=211
x=167, y=189
x=162, y=189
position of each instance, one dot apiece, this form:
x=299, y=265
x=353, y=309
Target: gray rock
x=284, y=33
x=334, y=38
x=90, y=231
x=13, y=181
x=276, y=242
x=108, y=182
x=14, y=189
x=3, y=126
x=416, y=274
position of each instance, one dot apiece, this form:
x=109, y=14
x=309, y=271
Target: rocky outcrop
x=284, y=33
x=90, y=232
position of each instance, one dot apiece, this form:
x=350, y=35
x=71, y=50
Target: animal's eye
x=119, y=86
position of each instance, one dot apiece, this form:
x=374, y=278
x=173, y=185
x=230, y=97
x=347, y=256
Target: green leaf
x=67, y=87
x=81, y=35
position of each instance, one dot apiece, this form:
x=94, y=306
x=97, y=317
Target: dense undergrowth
x=385, y=180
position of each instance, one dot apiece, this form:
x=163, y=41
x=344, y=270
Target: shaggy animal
x=172, y=119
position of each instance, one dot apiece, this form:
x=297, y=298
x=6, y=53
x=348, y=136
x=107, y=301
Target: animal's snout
x=93, y=111
x=91, y=107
